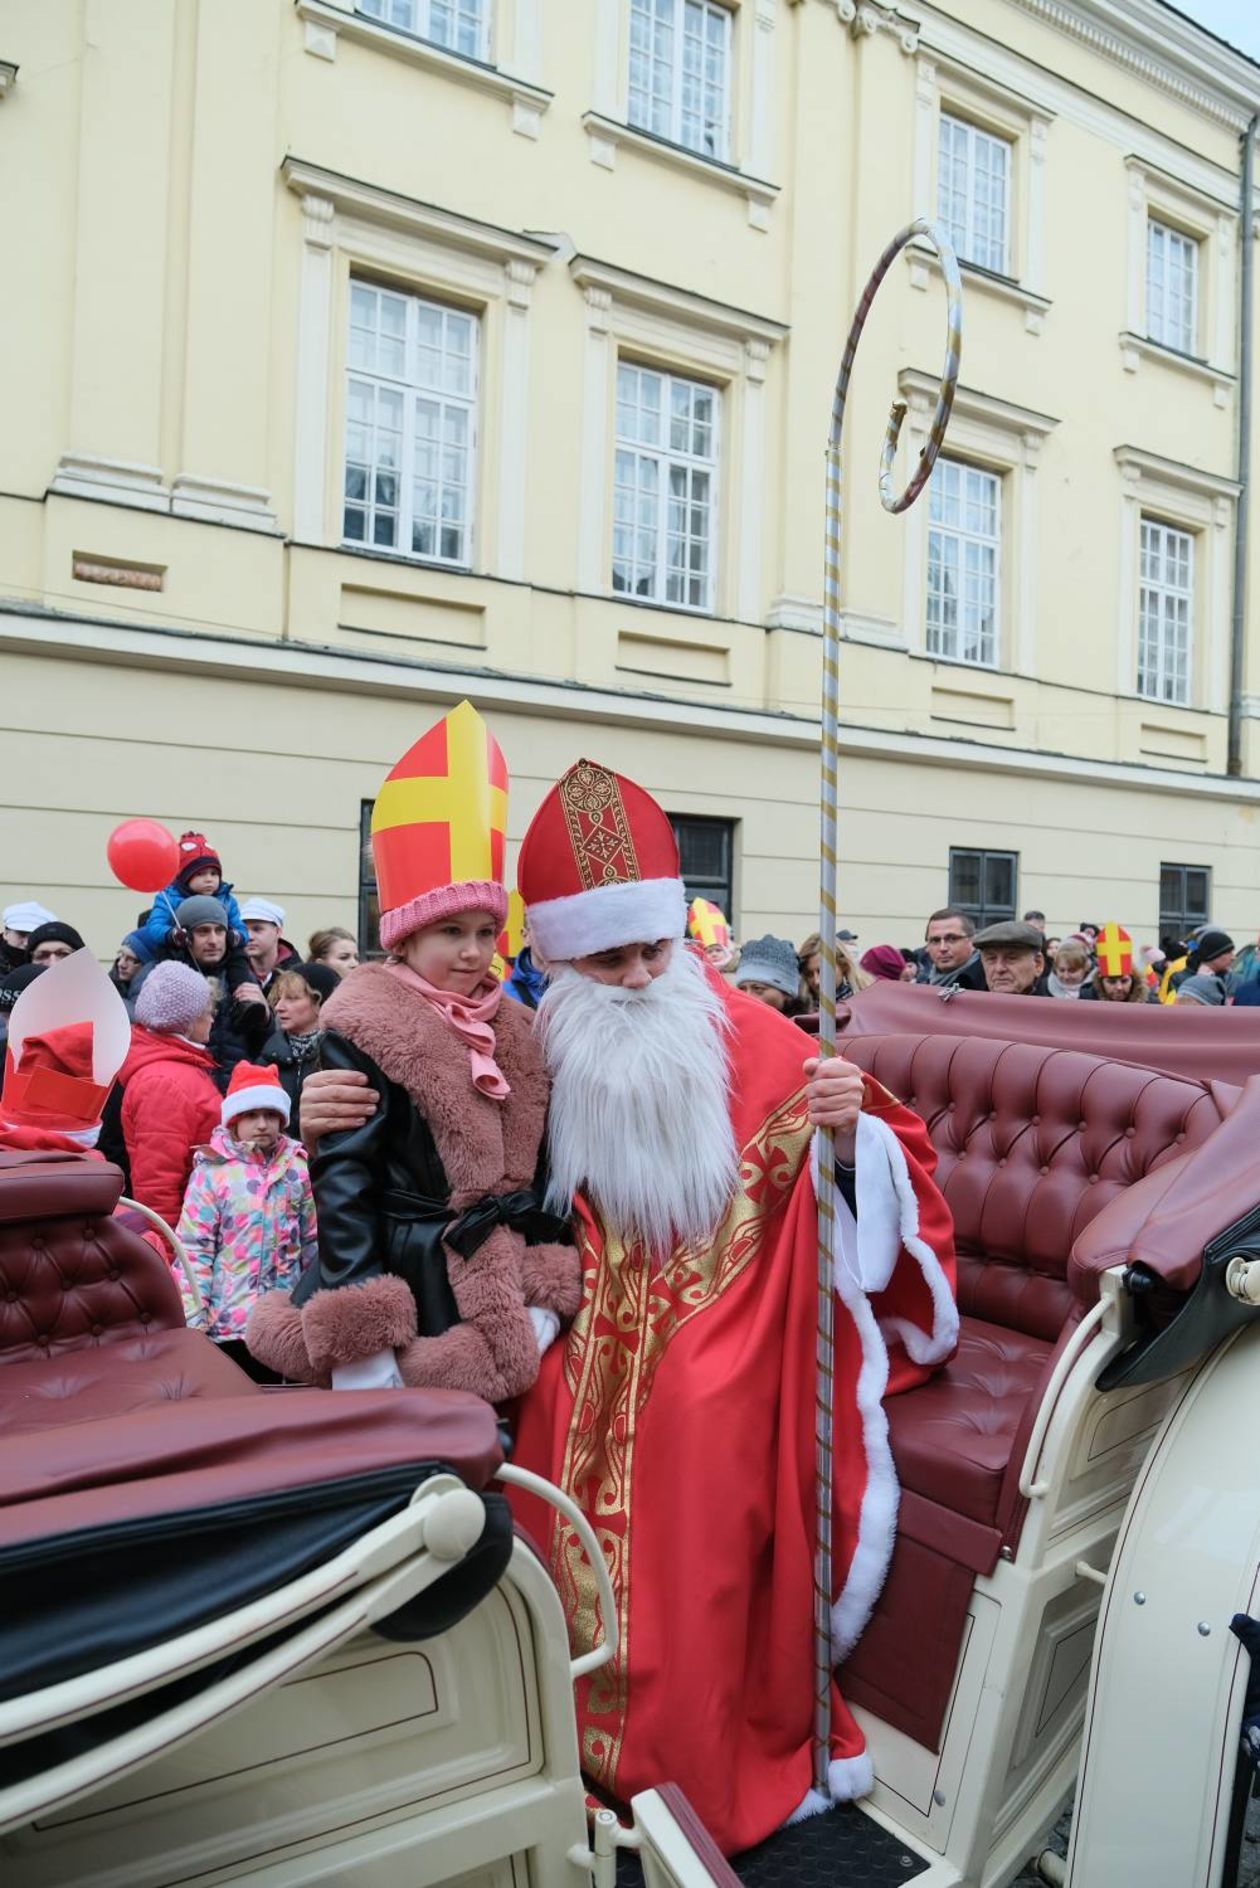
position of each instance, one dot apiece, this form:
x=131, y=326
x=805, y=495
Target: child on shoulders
x=200, y=875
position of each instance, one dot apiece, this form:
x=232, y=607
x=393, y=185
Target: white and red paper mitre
x=599, y=867
x=69, y=1034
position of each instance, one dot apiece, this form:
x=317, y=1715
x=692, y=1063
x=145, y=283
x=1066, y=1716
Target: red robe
x=678, y=1412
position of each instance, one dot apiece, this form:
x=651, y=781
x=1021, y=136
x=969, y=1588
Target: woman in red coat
x=170, y=1104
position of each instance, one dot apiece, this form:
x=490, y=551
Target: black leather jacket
x=383, y=1201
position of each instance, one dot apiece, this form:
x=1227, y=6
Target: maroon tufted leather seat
x=91, y=1320
x=1033, y=1144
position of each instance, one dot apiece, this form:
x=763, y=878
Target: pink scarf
x=470, y=1018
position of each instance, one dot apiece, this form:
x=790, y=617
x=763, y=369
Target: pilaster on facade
x=325, y=22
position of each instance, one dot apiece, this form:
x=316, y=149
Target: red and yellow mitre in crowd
x=439, y=828
x=599, y=867
x=706, y=922
x=1113, y=949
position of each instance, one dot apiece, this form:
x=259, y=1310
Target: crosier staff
x=823, y=1659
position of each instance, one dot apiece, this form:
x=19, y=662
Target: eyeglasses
x=949, y=937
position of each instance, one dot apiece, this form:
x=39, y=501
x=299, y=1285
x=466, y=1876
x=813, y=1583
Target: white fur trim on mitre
x=265, y=1095
x=607, y=917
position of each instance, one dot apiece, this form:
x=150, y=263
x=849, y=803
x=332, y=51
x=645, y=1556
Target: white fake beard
x=639, y=1117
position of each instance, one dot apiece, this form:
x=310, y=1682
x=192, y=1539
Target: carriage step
x=842, y=1849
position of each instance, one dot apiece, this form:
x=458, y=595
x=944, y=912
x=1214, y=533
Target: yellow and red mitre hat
x=1113, y=948
x=439, y=828
x=69, y=1034
x=599, y=867
x=707, y=924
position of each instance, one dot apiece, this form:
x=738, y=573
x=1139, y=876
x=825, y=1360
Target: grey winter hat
x=1205, y=989
x=770, y=960
x=173, y=996
x=200, y=910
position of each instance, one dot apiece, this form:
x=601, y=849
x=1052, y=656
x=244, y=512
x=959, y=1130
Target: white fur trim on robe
x=866, y=1257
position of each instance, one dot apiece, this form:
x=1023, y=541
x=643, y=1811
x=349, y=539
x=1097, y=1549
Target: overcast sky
x=1238, y=21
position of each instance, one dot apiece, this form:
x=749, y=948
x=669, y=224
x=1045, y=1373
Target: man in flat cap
x=1013, y=955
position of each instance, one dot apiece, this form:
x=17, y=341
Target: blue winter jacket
x=526, y=982
x=159, y=924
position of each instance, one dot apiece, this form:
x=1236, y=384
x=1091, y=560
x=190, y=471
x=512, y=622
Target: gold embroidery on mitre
x=628, y=1317
x=599, y=831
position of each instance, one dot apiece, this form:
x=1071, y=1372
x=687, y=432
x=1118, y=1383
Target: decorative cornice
x=1163, y=48
x=350, y=196
x=698, y=311
x=972, y=403
x=1136, y=464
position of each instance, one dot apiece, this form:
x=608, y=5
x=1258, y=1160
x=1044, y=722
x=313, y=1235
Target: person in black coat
x=242, y=1020
x=293, y=1046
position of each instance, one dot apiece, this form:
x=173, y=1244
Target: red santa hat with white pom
x=253, y=1087
x=599, y=867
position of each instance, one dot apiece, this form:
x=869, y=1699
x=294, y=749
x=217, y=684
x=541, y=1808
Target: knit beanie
x=1205, y=989
x=1207, y=945
x=171, y=999
x=254, y=1087
x=770, y=960
x=885, y=962
x=199, y=910
x=12, y=986
x=196, y=854
x=53, y=933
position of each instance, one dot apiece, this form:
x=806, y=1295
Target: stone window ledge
x=325, y=20
x=923, y=263
x=1136, y=348
x=604, y=135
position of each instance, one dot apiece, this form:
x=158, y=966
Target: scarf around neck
x=471, y=1019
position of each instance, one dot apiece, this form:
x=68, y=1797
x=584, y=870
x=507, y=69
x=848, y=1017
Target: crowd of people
x=1095, y=963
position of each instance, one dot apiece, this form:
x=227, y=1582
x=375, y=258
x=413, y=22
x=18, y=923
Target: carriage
x=297, y=1641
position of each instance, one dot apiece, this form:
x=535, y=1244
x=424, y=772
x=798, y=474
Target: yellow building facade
x=360, y=358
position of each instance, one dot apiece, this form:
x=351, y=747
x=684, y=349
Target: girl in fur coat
x=437, y=1267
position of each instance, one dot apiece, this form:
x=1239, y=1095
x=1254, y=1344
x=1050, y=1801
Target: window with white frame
x=973, y=192
x=964, y=563
x=1165, y=612
x=664, y=488
x=1172, y=286
x=411, y=406
x=459, y=25
x=680, y=73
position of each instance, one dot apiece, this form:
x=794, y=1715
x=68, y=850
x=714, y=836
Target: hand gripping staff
x=823, y=1663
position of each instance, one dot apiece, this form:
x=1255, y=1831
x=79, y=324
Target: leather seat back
x=1031, y=1144
x=71, y=1275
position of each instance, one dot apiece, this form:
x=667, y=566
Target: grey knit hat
x=171, y=998
x=199, y=910
x=1205, y=989
x=770, y=960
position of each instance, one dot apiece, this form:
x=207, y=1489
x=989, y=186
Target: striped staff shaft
x=828, y=915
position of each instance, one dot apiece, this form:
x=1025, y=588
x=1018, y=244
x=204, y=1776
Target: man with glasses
x=953, y=959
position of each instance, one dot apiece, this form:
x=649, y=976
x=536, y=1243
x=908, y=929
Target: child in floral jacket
x=248, y=1223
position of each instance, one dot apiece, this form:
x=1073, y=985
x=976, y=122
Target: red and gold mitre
x=599, y=867
x=1113, y=947
x=707, y=924
x=69, y=1034
x=439, y=828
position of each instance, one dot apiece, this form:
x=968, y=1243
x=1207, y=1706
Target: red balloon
x=142, y=855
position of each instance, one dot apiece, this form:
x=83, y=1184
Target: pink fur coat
x=486, y=1147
